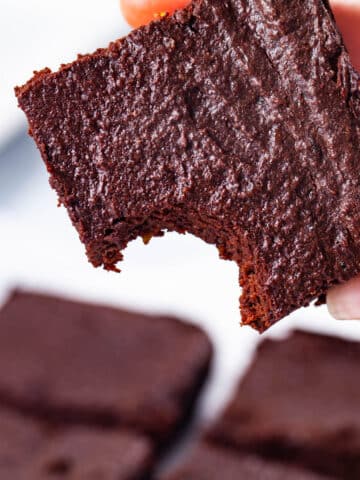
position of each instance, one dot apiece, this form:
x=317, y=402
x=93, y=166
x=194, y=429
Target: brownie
x=82, y=454
x=79, y=363
x=235, y=121
x=211, y=463
x=300, y=401
x=31, y=451
x=20, y=439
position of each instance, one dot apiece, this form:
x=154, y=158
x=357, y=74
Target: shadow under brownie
x=210, y=462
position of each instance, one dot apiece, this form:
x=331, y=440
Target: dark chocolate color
x=31, y=451
x=79, y=363
x=234, y=120
x=20, y=439
x=213, y=463
x=82, y=454
x=299, y=401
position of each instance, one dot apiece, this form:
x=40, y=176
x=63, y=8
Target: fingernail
x=343, y=301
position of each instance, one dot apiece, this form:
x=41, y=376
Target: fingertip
x=343, y=301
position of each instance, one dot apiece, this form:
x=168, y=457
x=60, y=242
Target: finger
x=344, y=300
x=347, y=14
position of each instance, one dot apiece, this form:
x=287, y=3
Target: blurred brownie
x=81, y=454
x=30, y=451
x=20, y=439
x=212, y=463
x=299, y=401
x=74, y=362
x=235, y=121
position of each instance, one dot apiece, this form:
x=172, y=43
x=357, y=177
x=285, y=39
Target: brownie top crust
x=234, y=120
x=71, y=362
x=300, y=401
x=208, y=461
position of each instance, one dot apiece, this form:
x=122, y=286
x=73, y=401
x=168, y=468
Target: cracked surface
x=80, y=453
x=234, y=120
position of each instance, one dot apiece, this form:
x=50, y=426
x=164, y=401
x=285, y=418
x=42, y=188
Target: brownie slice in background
x=235, y=121
x=73, y=362
x=20, y=439
x=214, y=463
x=29, y=450
x=299, y=402
x=84, y=454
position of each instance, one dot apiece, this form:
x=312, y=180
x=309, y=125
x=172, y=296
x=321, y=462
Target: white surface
x=39, y=249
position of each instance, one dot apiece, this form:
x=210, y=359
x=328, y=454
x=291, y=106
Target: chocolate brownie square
x=29, y=450
x=299, y=401
x=66, y=361
x=212, y=463
x=235, y=121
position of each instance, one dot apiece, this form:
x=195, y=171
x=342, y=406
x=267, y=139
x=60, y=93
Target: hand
x=347, y=14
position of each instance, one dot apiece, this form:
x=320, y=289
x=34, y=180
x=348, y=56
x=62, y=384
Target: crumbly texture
x=211, y=463
x=300, y=401
x=78, y=363
x=236, y=121
x=29, y=450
